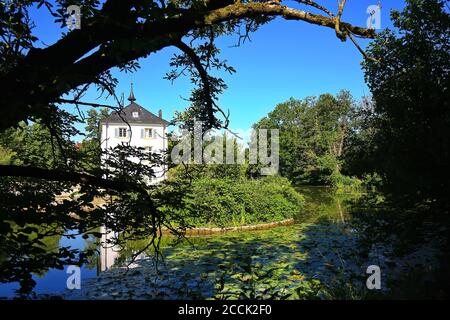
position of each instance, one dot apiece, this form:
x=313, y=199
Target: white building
x=138, y=127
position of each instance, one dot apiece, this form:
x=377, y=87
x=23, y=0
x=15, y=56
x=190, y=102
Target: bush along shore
x=209, y=202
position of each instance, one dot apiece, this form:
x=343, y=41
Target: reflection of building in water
x=108, y=254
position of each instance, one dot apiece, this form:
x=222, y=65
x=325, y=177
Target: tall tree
x=410, y=89
x=90, y=148
x=312, y=136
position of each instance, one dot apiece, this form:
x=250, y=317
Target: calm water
x=321, y=204
x=54, y=280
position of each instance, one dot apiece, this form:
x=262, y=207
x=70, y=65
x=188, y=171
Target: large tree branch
x=203, y=75
x=248, y=10
x=44, y=75
x=69, y=176
x=339, y=33
x=316, y=5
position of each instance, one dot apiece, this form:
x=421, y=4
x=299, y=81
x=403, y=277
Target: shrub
x=346, y=184
x=228, y=202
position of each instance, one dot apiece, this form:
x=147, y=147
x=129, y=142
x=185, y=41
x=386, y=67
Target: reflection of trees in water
x=51, y=245
x=323, y=204
x=40, y=243
x=46, y=241
x=92, y=244
x=119, y=256
x=123, y=255
x=307, y=256
x=43, y=245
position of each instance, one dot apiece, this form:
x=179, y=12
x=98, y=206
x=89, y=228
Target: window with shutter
x=123, y=132
x=148, y=133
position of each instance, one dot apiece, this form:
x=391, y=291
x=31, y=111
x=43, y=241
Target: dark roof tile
x=144, y=116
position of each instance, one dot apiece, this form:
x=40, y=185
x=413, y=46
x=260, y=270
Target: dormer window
x=135, y=114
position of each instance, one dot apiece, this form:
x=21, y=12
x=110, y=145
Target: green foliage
x=227, y=202
x=33, y=84
x=7, y=156
x=411, y=113
x=29, y=244
x=359, y=143
x=312, y=136
x=346, y=184
x=130, y=213
x=222, y=169
x=31, y=145
x=253, y=282
x=90, y=148
x=403, y=140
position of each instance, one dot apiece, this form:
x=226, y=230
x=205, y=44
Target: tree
x=114, y=33
x=359, y=146
x=90, y=148
x=32, y=79
x=312, y=136
x=404, y=139
x=33, y=145
x=411, y=115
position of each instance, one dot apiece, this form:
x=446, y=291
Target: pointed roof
x=126, y=114
x=131, y=98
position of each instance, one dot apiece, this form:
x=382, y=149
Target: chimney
x=160, y=113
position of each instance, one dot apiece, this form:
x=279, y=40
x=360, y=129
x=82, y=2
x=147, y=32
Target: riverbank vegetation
x=229, y=203
x=406, y=138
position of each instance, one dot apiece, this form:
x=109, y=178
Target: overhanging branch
x=203, y=75
x=252, y=9
x=46, y=74
x=68, y=176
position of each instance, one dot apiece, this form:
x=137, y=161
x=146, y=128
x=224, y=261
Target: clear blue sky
x=284, y=59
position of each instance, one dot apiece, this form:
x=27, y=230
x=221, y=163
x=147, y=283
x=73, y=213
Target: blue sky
x=284, y=59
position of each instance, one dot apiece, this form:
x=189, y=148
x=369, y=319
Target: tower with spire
x=131, y=97
x=138, y=127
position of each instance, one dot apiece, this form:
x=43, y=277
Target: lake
x=321, y=205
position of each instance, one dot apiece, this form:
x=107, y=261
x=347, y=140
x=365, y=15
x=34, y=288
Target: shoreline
x=204, y=231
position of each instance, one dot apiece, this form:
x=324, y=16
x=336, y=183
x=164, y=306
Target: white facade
x=151, y=137
x=147, y=131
